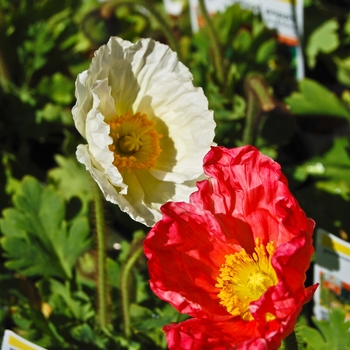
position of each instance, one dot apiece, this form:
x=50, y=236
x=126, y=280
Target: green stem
x=291, y=342
x=124, y=284
x=258, y=99
x=101, y=258
x=252, y=115
x=258, y=85
x=218, y=58
x=149, y=5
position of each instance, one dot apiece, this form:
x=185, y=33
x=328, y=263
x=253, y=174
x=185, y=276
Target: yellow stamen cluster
x=135, y=141
x=245, y=278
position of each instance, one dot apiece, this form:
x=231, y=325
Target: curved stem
x=160, y=19
x=291, y=342
x=218, y=58
x=101, y=258
x=258, y=100
x=252, y=116
x=124, y=281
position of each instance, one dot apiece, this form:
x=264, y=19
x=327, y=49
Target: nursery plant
x=147, y=170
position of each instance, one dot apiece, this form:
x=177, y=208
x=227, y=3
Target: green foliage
x=331, y=335
x=38, y=241
x=328, y=39
x=248, y=47
x=323, y=39
x=57, y=88
x=331, y=171
x=316, y=100
x=72, y=180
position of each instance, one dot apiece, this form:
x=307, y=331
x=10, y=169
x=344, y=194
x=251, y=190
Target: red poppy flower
x=235, y=257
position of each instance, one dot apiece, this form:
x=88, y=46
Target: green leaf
x=58, y=88
x=37, y=239
x=323, y=39
x=343, y=70
x=88, y=337
x=78, y=303
x=12, y=184
x=113, y=272
x=314, y=98
x=331, y=171
x=54, y=113
x=243, y=41
x=149, y=323
x=32, y=323
x=332, y=334
x=266, y=51
x=72, y=179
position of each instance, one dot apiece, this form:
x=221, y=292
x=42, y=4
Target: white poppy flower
x=147, y=127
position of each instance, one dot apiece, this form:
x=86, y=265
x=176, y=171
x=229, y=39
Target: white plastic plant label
x=331, y=271
x=286, y=16
x=12, y=341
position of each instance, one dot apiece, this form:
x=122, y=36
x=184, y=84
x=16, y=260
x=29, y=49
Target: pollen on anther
x=244, y=278
x=135, y=142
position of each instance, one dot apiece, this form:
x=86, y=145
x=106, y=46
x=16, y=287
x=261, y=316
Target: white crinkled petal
x=151, y=62
x=135, y=205
x=147, y=194
x=124, y=86
x=106, y=102
x=131, y=204
x=188, y=128
x=85, y=157
x=104, y=58
x=97, y=136
x=83, y=96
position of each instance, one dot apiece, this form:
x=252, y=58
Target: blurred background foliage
x=48, y=261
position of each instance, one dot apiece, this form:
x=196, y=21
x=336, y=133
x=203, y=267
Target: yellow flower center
x=135, y=141
x=245, y=278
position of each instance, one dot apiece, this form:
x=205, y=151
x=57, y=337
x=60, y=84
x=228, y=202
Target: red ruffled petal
x=202, y=334
x=185, y=254
x=251, y=188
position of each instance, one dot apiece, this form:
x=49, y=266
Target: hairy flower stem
x=101, y=258
x=149, y=5
x=124, y=288
x=258, y=100
x=291, y=342
x=218, y=58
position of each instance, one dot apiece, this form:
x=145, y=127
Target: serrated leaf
x=317, y=100
x=37, y=240
x=89, y=337
x=332, y=335
x=323, y=39
x=72, y=180
x=78, y=302
x=31, y=320
x=310, y=335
